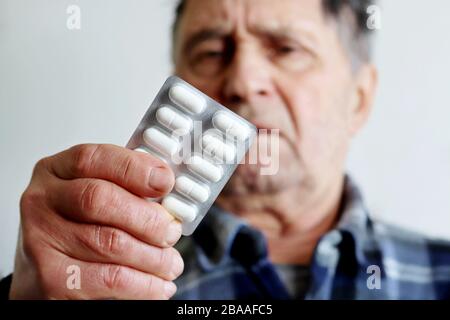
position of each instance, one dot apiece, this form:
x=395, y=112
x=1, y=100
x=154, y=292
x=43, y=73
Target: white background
x=61, y=87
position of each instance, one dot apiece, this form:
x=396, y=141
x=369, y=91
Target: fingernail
x=162, y=179
x=170, y=288
x=173, y=232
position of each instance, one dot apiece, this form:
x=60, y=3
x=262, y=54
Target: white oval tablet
x=140, y=149
x=218, y=148
x=191, y=189
x=180, y=209
x=204, y=168
x=231, y=126
x=160, y=141
x=173, y=120
x=187, y=99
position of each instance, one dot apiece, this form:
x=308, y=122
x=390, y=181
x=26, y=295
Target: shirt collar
x=216, y=235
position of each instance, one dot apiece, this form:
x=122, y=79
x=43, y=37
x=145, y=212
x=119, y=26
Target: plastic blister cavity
x=201, y=140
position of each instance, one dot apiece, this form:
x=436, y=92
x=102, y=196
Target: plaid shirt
x=227, y=259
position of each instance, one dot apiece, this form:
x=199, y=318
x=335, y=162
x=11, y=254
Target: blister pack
x=201, y=140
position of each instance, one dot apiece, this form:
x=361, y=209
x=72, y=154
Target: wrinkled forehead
x=251, y=15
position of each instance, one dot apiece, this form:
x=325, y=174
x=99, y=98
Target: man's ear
x=365, y=86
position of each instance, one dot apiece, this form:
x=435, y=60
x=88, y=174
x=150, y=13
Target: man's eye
x=291, y=56
x=209, y=55
x=285, y=50
x=208, y=62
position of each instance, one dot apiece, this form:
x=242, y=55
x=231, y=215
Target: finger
x=101, y=202
x=100, y=244
x=74, y=279
x=137, y=172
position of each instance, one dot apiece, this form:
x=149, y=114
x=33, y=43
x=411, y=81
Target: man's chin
x=249, y=180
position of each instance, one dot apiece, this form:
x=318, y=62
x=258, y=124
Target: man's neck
x=291, y=223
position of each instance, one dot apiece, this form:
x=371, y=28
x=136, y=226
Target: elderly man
x=301, y=66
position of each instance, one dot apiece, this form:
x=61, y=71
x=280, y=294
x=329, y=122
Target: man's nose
x=247, y=79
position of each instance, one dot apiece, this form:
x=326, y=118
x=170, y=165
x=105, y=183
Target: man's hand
x=86, y=207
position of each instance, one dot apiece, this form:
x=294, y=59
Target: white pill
x=217, y=148
x=141, y=150
x=228, y=125
x=191, y=189
x=186, y=98
x=160, y=141
x=180, y=209
x=205, y=168
x=173, y=120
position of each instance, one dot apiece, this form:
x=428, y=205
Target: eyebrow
x=282, y=32
x=279, y=32
x=203, y=35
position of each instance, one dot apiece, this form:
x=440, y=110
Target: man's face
x=281, y=65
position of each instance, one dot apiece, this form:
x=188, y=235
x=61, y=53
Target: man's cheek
x=324, y=150
x=314, y=145
x=208, y=86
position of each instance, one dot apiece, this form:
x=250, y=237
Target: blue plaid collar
x=216, y=236
x=221, y=230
